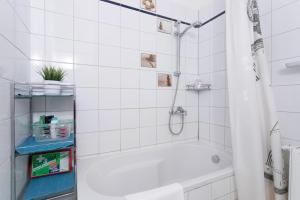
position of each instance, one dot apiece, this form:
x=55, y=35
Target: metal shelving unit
x=48, y=187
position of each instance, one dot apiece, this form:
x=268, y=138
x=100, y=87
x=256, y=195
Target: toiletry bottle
x=53, y=126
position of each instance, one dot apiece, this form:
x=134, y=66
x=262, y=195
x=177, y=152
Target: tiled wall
x=119, y=105
x=223, y=189
x=280, y=24
x=213, y=106
x=14, y=66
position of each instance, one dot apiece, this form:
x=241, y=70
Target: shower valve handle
x=179, y=111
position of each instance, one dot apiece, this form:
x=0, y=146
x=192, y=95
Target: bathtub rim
x=87, y=162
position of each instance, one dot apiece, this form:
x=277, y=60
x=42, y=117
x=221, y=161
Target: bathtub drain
x=215, y=159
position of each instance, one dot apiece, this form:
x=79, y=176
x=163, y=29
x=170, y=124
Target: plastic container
x=44, y=132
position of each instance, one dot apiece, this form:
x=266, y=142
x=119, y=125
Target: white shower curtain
x=255, y=131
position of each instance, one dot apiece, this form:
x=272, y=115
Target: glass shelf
x=49, y=186
x=31, y=146
x=29, y=90
x=193, y=87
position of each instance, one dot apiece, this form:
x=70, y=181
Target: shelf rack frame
x=14, y=96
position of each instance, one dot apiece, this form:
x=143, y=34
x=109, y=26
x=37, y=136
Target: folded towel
x=294, y=174
x=169, y=192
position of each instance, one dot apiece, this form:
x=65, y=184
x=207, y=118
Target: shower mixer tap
x=179, y=111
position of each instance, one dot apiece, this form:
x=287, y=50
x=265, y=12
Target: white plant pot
x=52, y=87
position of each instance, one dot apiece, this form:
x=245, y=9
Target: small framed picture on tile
x=164, y=26
x=164, y=80
x=149, y=5
x=148, y=60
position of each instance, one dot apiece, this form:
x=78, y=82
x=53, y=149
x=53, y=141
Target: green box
x=50, y=163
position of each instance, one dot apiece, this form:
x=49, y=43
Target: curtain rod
x=213, y=18
x=158, y=15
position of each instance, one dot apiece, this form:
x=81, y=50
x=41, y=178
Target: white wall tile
x=148, y=136
x=86, y=76
x=162, y=116
x=287, y=98
x=129, y=78
x=130, y=19
x=110, y=35
x=5, y=140
x=37, y=49
x=5, y=99
x=148, y=79
x=110, y=14
x=130, y=118
x=217, y=134
x=58, y=25
x=218, y=43
x=204, y=131
x=87, y=98
x=60, y=6
x=283, y=47
x=147, y=42
x=165, y=43
x=264, y=6
x=148, y=98
x=285, y=19
x=86, y=9
x=109, y=77
x=109, y=56
x=109, y=141
x=85, y=30
x=109, y=98
x=109, y=120
x=218, y=98
x=204, y=49
x=164, y=97
x=130, y=138
x=37, y=4
x=37, y=21
x=59, y=50
x=130, y=58
x=163, y=134
x=148, y=117
x=87, y=144
x=129, y=38
x=129, y=98
x=148, y=23
x=278, y=3
x=83, y=125
x=85, y=53
x=218, y=80
x=217, y=116
x=132, y=3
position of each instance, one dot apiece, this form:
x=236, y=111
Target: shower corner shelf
x=192, y=87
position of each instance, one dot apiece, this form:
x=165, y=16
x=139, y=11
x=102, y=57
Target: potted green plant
x=53, y=76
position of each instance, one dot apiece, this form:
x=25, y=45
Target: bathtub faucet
x=179, y=111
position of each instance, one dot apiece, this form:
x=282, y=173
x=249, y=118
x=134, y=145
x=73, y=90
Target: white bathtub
x=111, y=177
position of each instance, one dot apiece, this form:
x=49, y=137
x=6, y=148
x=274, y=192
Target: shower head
x=196, y=24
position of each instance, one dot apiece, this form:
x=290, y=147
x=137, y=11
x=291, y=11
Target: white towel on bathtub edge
x=169, y=192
